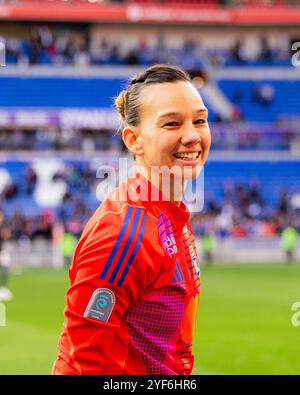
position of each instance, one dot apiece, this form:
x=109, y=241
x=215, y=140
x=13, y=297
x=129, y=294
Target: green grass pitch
x=243, y=327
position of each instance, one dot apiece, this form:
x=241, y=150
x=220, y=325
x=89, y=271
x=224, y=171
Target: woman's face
x=173, y=129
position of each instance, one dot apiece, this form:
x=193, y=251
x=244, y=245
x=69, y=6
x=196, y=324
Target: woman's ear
x=133, y=140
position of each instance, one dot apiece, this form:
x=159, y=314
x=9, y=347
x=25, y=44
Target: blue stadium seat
x=286, y=99
x=58, y=92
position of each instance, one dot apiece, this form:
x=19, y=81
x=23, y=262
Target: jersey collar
x=178, y=214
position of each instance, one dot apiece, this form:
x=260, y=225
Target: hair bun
x=120, y=103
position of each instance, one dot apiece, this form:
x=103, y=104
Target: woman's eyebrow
x=170, y=114
x=202, y=110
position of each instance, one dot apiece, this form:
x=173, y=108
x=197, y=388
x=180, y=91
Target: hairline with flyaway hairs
x=128, y=102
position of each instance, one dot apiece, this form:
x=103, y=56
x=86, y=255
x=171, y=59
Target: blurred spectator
x=30, y=180
x=5, y=235
x=236, y=52
x=263, y=93
x=10, y=191
x=289, y=239
x=43, y=228
x=68, y=245
x=208, y=244
x=266, y=53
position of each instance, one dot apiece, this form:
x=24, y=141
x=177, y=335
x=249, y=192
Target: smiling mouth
x=187, y=155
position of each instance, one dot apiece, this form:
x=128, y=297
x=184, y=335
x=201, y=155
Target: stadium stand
x=61, y=92
x=254, y=189
x=45, y=45
x=267, y=101
x=81, y=68
x=264, y=101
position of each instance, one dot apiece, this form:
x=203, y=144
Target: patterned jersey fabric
x=134, y=291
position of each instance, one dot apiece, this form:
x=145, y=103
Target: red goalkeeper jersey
x=134, y=290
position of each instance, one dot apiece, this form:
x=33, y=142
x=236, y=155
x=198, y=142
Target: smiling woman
x=135, y=276
x=165, y=121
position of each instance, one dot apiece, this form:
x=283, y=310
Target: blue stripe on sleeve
x=134, y=252
x=127, y=245
x=118, y=242
x=181, y=277
x=177, y=275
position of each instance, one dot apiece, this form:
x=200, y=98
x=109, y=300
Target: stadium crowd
x=241, y=212
x=72, y=213
x=56, y=139
x=79, y=48
x=244, y=212
x=227, y=136
x=48, y=46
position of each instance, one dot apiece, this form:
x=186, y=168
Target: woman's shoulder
x=116, y=213
x=122, y=227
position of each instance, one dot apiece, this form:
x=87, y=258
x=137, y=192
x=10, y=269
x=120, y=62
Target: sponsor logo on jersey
x=166, y=234
x=170, y=245
x=101, y=305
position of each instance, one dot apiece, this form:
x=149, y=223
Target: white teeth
x=188, y=156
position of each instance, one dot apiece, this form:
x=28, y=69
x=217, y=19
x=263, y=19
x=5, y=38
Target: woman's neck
x=171, y=186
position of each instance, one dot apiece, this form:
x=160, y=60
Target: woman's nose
x=190, y=135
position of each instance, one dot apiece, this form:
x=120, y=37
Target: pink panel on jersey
x=154, y=325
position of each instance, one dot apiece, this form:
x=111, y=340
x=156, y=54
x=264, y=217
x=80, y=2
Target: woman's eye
x=201, y=121
x=171, y=124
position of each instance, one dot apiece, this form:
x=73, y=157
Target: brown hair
x=128, y=102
